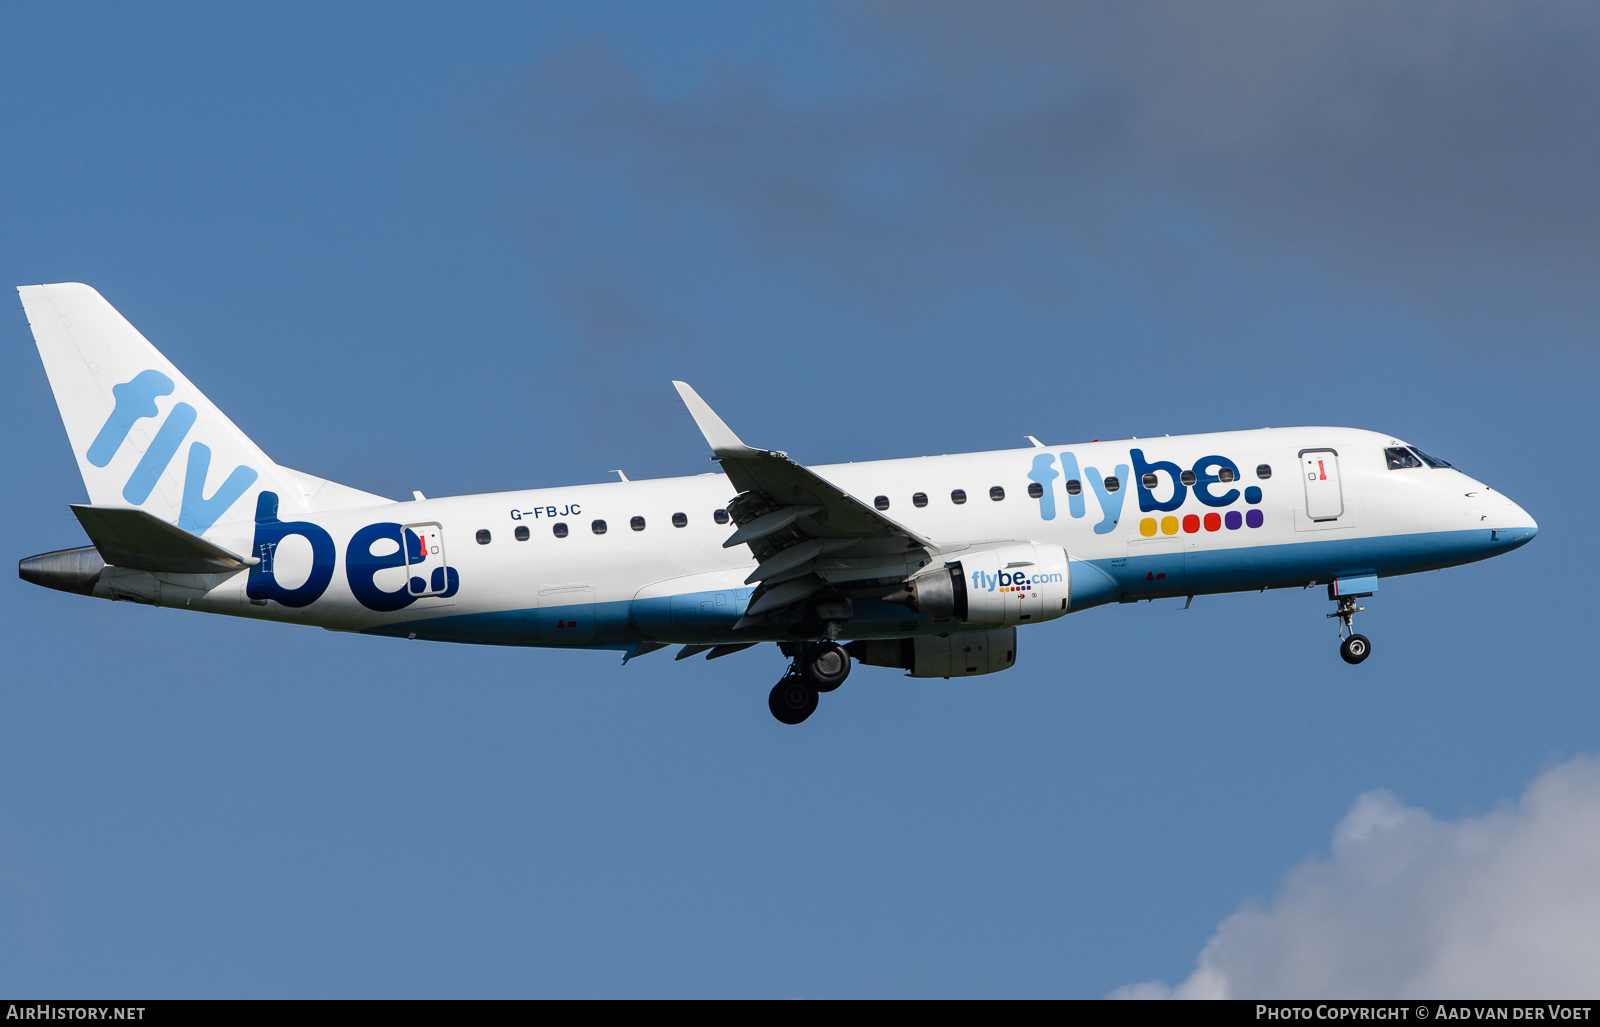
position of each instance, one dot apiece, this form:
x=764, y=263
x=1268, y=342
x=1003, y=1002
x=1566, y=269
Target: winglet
x=721, y=438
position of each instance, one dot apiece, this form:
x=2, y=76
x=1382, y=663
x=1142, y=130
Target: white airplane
x=927, y=564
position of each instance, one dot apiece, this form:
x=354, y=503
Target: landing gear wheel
x=1355, y=649
x=825, y=665
x=792, y=700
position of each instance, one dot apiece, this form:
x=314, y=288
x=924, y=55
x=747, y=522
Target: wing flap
x=766, y=524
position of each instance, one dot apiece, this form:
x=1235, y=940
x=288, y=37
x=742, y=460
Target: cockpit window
x=1399, y=458
x=1431, y=461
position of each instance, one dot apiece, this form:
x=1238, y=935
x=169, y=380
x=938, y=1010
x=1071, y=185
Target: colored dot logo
x=1192, y=524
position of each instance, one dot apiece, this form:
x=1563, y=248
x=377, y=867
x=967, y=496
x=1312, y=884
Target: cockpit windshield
x=1431, y=461
x=1399, y=458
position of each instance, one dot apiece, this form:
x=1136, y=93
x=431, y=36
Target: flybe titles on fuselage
x=1209, y=479
x=387, y=546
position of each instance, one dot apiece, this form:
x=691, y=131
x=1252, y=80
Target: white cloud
x=1506, y=905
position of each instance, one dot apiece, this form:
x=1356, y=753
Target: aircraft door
x=427, y=573
x=566, y=612
x=1319, y=469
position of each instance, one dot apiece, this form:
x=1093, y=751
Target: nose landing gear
x=820, y=667
x=1353, y=648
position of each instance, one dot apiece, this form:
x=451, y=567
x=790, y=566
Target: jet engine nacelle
x=961, y=654
x=1020, y=584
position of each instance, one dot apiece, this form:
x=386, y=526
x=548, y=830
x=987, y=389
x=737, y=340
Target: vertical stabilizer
x=143, y=435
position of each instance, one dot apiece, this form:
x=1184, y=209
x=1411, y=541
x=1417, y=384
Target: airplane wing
x=808, y=535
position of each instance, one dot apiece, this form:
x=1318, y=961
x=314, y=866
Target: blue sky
x=465, y=249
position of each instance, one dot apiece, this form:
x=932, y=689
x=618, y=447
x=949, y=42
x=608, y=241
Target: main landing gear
x=1353, y=648
x=819, y=667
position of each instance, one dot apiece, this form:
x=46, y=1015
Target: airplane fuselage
x=533, y=570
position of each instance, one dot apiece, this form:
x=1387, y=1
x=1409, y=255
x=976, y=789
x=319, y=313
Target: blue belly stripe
x=708, y=617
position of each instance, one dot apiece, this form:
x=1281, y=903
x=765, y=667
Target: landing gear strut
x=1353, y=648
x=818, y=667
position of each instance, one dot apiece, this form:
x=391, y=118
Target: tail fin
x=143, y=435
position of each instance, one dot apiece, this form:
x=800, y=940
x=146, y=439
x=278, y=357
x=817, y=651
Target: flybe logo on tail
x=135, y=400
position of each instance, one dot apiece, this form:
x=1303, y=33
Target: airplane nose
x=1519, y=527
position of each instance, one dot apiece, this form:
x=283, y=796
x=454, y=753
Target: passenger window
x=1399, y=458
x=521, y=533
x=919, y=500
x=1074, y=487
x=1263, y=471
x=680, y=520
x=958, y=496
x=721, y=516
x=1035, y=491
x=637, y=524
x=1431, y=461
x=882, y=502
x=1187, y=478
x=483, y=536
x=1151, y=481
x=598, y=527
x=997, y=493
x=1112, y=484
x=1225, y=475
x=558, y=530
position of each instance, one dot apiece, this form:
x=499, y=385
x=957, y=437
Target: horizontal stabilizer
x=131, y=538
